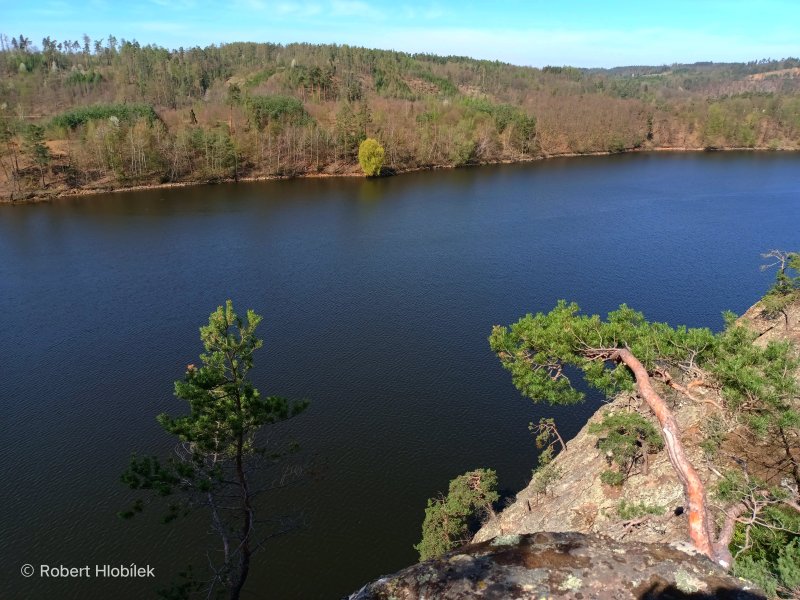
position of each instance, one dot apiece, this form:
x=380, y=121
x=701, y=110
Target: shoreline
x=78, y=192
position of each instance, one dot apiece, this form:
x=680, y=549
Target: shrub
x=124, y=112
x=629, y=511
x=714, y=430
x=766, y=547
x=282, y=109
x=545, y=476
x=628, y=437
x=446, y=524
x=370, y=157
x=614, y=478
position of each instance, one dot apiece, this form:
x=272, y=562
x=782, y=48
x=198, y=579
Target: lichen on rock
x=560, y=565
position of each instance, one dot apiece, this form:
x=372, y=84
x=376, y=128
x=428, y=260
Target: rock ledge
x=562, y=565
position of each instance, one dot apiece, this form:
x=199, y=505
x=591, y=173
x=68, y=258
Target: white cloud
x=286, y=9
x=162, y=27
x=433, y=13
x=55, y=9
x=297, y=9
x=356, y=8
x=539, y=47
x=175, y=4
x=424, y=28
x=410, y=13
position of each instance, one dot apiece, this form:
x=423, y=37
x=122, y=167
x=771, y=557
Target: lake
x=377, y=297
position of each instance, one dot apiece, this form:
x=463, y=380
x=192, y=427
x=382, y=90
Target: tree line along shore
x=95, y=115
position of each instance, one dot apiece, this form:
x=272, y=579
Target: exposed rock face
x=776, y=327
x=596, y=548
x=562, y=565
x=577, y=500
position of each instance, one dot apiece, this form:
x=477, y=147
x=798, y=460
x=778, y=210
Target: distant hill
x=116, y=113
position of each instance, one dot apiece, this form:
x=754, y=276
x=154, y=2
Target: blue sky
x=580, y=33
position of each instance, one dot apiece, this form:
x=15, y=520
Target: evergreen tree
x=625, y=352
x=347, y=131
x=446, y=524
x=626, y=438
x=786, y=288
x=217, y=447
x=8, y=146
x=36, y=149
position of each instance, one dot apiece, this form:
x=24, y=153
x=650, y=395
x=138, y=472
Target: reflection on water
x=377, y=297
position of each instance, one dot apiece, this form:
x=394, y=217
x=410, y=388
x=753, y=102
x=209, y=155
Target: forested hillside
x=103, y=114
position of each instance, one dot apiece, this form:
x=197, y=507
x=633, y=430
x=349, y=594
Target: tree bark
x=701, y=525
x=247, y=524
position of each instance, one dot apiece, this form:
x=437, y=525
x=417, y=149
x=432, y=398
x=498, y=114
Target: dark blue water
x=377, y=299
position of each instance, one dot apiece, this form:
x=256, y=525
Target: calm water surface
x=377, y=299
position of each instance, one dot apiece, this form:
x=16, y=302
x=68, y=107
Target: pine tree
x=36, y=149
x=217, y=446
x=446, y=524
x=627, y=353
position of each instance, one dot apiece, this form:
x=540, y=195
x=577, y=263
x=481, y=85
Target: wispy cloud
x=518, y=31
x=584, y=48
x=257, y=5
x=176, y=4
x=430, y=13
x=356, y=8
x=297, y=9
x=162, y=27
x=434, y=13
x=56, y=9
x=279, y=9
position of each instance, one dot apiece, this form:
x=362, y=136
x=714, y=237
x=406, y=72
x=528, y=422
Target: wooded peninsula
x=97, y=115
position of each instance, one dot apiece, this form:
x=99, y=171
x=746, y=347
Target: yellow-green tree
x=370, y=157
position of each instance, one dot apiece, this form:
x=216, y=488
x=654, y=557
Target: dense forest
x=105, y=114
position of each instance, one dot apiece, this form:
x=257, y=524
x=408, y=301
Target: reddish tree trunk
x=701, y=526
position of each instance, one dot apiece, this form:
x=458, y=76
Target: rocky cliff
x=576, y=500
x=648, y=507
x=568, y=534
